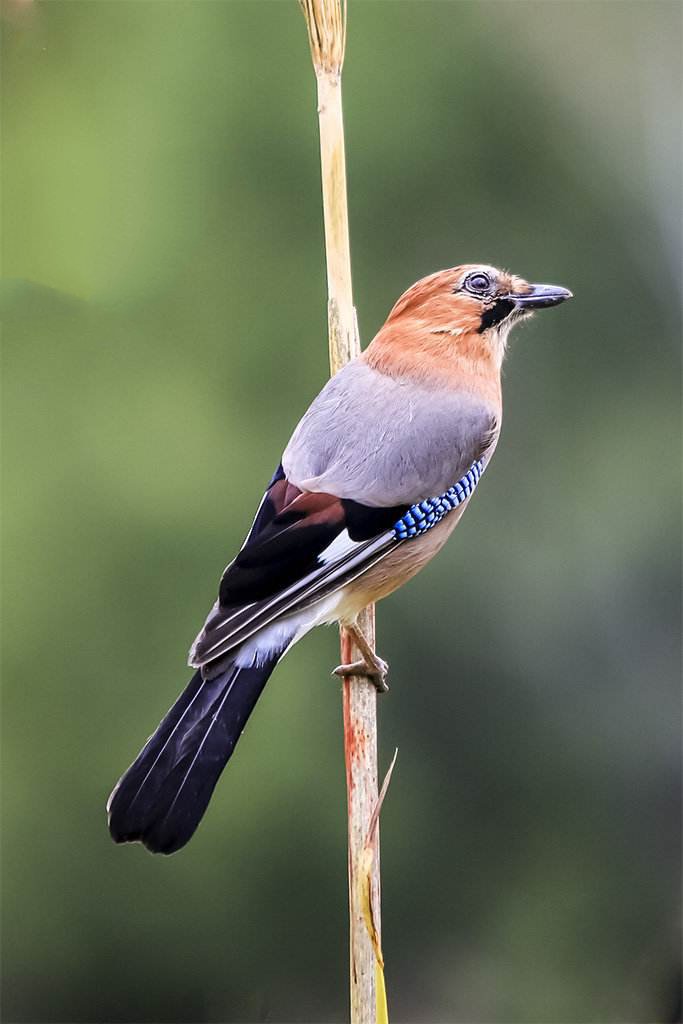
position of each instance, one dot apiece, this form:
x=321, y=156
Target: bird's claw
x=376, y=673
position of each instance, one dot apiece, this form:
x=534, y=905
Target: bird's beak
x=540, y=295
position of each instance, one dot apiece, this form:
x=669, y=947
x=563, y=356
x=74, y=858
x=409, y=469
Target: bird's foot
x=370, y=665
x=376, y=671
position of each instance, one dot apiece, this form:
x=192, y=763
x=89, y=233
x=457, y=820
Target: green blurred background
x=164, y=329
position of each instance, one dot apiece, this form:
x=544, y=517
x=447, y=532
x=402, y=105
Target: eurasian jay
x=374, y=479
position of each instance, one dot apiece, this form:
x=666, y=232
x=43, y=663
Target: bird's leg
x=371, y=665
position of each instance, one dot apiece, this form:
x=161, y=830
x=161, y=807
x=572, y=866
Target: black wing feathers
x=284, y=566
x=272, y=502
x=284, y=549
x=364, y=522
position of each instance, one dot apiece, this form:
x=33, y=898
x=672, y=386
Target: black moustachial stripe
x=495, y=314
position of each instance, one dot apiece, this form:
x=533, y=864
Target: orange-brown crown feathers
x=457, y=297
x=454, y=324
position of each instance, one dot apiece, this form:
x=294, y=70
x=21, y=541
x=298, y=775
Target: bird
x=373, y=481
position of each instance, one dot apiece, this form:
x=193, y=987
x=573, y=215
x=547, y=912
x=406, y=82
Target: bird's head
x=475, y=299
x=465, y=312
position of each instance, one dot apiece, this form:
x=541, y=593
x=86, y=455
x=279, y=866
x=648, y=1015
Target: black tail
x=160, y=800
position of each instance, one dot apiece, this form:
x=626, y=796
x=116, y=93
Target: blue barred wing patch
x=425, y=514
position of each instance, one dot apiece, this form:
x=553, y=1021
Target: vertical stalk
x=326, y=22
x=359, y=701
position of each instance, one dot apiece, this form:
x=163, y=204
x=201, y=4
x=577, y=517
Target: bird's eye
x=478, y=283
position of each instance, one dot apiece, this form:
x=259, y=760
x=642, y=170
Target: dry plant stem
x=359, y=699
x=359, y=693
x=343, y=333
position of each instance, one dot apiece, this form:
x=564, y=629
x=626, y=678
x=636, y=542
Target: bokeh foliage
x=164, y=328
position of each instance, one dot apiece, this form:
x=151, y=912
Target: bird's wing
x=367, y=450
x=301, y=547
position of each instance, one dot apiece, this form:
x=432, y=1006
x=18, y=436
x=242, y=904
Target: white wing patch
x=341, y=546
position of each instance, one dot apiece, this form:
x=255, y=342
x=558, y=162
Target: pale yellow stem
x=326, y=27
